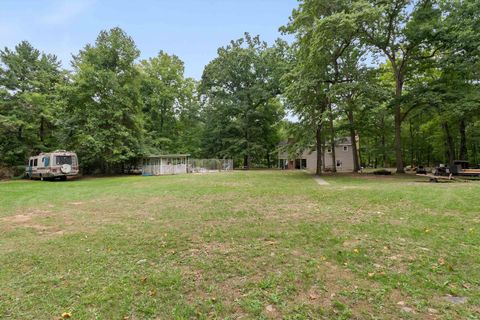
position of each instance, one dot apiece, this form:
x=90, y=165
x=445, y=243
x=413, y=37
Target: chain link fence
x=210, y=165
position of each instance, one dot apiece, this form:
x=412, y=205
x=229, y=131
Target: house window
x=339, y=163
x=329, y=150
x=345, y=148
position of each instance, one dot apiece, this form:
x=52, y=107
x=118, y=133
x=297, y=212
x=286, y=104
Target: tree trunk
x=475, y=154
x=246, y=160
x=353, y=139
x=412, y=145
x=324, y=143
x=360, y=154
x=382, y=141
x=463, y=141
x=42, y=128
x=398, y=122
x=332, y=138
x=450, y=150
x=162, y=117
x=319, y=150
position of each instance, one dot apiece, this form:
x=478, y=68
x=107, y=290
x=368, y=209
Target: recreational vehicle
x=58, y=164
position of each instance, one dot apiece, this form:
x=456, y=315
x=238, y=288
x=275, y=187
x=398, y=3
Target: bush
x=12, y=172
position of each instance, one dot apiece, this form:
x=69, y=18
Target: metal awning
x=168, y=156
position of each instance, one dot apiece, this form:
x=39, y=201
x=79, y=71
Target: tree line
x=401, y=76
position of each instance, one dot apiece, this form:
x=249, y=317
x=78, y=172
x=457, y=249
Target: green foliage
x=28, y=102
x=402, y=75
x=171, y=107
x=427, y=58
x=242, y=109
x=103, y=121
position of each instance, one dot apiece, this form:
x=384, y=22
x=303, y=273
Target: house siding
x=344, y=156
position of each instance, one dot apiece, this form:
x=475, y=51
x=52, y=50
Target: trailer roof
x=168, y=156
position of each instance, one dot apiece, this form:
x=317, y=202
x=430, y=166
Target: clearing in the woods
x=260, y=244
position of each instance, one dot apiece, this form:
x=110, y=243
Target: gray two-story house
x=307, y=160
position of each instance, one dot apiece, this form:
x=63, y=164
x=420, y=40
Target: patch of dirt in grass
x=76, y=203
x=25, y=217
x=205, y=289
x=208, y=248
x=235, y=184
x=361, y=187
x=353, y=243
x=337, y=281
x=30, y=220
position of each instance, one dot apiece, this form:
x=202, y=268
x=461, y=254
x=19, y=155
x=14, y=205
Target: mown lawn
x=251, y=245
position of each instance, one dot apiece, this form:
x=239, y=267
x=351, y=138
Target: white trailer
x=58, y=164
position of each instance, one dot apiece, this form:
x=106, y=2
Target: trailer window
x=63, y=160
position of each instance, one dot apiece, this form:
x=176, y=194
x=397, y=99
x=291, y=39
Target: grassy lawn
x=261, y=244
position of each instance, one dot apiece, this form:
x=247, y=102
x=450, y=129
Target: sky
x=190, y=29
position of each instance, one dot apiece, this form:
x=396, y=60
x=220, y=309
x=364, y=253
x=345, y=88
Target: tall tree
x=103, y=119
x=28, y=108
x=328, y=52
x=240, y=90
x=168, y=102
x=402, y=31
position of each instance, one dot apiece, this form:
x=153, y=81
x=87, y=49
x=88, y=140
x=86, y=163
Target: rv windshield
x=63, y=160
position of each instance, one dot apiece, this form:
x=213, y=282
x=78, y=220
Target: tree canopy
x=399, y=77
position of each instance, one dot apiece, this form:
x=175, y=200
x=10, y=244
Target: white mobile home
x=57, y=164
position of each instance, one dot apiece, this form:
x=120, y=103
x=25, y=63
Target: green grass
x=261, y=244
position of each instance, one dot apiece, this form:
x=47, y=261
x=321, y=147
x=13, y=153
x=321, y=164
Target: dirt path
x=320, y=181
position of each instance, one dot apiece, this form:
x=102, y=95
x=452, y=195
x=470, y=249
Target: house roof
x=168, y=156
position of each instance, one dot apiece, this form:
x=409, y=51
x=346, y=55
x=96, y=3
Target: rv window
x=46, y=161
x=31, y=163
x=63, y=160
x=35, y=162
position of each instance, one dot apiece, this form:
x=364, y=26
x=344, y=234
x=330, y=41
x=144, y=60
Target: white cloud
x=65, y=11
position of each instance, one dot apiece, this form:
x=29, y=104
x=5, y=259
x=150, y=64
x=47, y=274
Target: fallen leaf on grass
x=313, y=296
x=270, y=308
x=66, y=315
x=408, y=310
